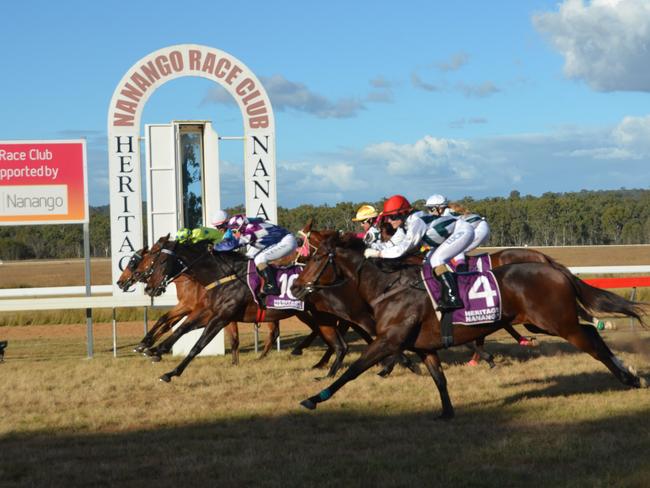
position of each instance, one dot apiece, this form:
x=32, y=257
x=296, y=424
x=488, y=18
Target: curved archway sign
x=124, y=119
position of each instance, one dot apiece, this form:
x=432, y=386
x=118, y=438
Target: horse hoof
x=138, y=349
x=296, y=352
x=166, y=378
x=491, y=364
x=384, y=373
x=155, y=359
x=308, y=404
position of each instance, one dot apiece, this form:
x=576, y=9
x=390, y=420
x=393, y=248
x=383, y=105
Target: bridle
x=339, y=280
x=178, y=263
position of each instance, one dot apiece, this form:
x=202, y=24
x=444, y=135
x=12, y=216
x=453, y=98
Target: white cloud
x=457, y=61
x=565, y=160
x=605, y=42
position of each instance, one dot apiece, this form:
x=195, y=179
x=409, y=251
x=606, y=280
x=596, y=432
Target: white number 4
x=481, y=289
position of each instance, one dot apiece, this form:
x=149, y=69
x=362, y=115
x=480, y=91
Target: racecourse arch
x=124, y=125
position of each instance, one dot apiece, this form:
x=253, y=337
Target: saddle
x=480, y=294
x=284, y=277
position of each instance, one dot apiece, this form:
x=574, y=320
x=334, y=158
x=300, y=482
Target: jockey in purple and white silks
x=447, y=236
x=266, y=242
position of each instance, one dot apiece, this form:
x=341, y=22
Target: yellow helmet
x=365, y=212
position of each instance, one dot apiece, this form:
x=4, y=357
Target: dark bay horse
x=546, y=295
x=227, y=299
x=188, y=292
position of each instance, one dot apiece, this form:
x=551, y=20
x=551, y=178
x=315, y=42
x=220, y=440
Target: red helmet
x=396, y=205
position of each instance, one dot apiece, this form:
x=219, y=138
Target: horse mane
x=349, y=240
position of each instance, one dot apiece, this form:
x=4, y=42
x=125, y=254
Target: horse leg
x=521, y=340
x=306, y=342
x=432, y=362
x=274, y=332
x=209, y=333
x=162, y=325
x=587, y=339
x=378, y=350
x=340, y=349
x=480, y=353
x=233, y=332
x=165, y=346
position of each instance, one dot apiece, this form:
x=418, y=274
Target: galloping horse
x=228, y=298
x=546, y=295
x=189, y=293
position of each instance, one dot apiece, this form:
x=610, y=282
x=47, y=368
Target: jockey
x=266, y=242
x=438, y=207
x=439, y=232
x=368, y=216
x=481, y=227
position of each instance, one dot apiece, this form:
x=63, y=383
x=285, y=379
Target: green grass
x=544, y=417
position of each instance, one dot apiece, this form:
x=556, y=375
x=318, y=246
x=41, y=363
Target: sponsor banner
x=43, y=182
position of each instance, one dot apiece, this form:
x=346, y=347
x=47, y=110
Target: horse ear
x=308, y=225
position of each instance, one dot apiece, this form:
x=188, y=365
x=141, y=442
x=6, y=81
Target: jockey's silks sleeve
x=415, y=230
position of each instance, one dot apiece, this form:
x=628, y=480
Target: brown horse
x=227, y=299
x=546, y=295
x=188, y=293
x=312, y=239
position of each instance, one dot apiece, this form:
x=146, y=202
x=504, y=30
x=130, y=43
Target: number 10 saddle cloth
x=284, y=278
x=479, y=292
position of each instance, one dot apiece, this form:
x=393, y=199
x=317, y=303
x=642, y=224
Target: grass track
x=544, y=417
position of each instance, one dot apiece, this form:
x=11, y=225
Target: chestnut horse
x=188, y=293
x=228, y=299
x=546, y=295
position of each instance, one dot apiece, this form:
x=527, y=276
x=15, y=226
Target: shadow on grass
x=481, y=447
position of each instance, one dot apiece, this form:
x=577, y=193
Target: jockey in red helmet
x=439, y=232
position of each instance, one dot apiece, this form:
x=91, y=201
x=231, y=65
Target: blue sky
x=467, y=98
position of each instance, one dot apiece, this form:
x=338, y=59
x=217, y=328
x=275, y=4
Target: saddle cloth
x=480, y=262
x=284, y=278
x=479, y=292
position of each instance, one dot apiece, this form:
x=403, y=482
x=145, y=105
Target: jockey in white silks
x=367, y=216
x=481, y=227
x=438, y=207
x=447, y=236
x=266, y=242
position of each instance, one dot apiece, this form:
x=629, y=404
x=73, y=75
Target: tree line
x=552, y=219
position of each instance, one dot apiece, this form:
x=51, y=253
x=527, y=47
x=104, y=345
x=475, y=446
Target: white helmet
x=220, y=217
x=436, y=201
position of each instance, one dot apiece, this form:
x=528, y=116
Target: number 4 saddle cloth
x=479, y=292
x=284, y=277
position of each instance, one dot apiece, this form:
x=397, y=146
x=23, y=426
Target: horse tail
x=598, y=301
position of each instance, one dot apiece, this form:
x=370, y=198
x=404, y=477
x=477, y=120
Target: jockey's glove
x=371, y=253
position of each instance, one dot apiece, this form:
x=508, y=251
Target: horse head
x=133, y=270
x=330, y=266
x=175, y=258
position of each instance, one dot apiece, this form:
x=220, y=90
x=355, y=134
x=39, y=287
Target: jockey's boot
x=462, y=267
x=270, y=286
x=449, y=295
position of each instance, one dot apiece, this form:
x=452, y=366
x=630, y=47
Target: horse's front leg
x=162, y=325
x=380, y=348
x=432, y=362
x=274, y=333
x=211, y=330
x=194, y=321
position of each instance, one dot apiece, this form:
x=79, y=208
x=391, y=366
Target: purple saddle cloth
x=284, y=278
x=480, y=262
x=479, y=292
